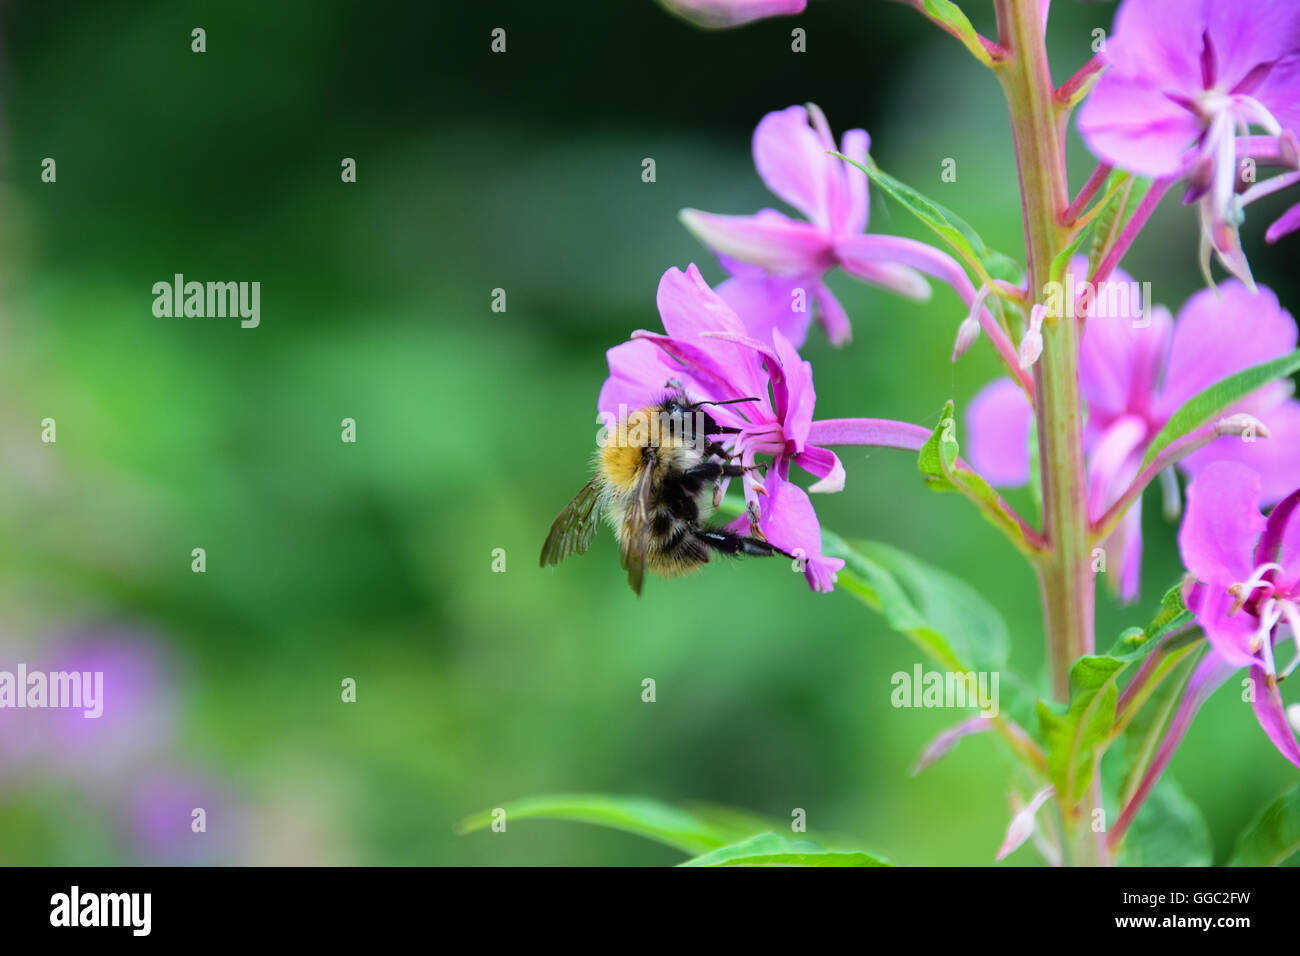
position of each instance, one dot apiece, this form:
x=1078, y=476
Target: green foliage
x=943, y=616
x=987, y=263
x=941, y=471
x=775, y=849
x=688, y=832
x=1169, y=830
x=1200, y=409
x=1136, y=643
x=951, y=17
x=1122, y=196
x=715, y=836
x=1273, y=836
x=1074, y=738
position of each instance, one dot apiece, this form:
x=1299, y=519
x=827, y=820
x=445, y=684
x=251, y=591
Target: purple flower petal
x=1230, y=632
x=789, y=521
x=1286, y=224
x=801, y=397
x=768, y=239
x=1217, y=336
x=792, y=159
x=853, y=213
x=1222, y=523
x=767, y=302
x=1276, y=459
x=826, y=465
x=1246, y=35
x=1271, y=714
x=832, y=316
x=637, y=374
x=1122, y=353
x=1111, y=465
x=1130, y=123
x=1160, y=39
x=729, y=13
x=1280, y=91
x=869, y=432
x=998, y=421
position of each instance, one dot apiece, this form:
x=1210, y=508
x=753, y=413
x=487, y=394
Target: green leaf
x=1121, y=203
x=1274, y=836
x=1169, y=830
x=1161, y=696
x=937, y=455
x=688, y=832
x=950, y=16
x=946, y=224
x=1075, y=738
x=774, y=849
x=943, y=616
x=1202, y=408
x=1136, y=643
x=941, y=471
x=1065, y=255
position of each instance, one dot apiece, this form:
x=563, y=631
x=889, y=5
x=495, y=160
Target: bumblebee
x=652, y=470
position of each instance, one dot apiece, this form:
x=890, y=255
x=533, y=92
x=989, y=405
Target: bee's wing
x=575, y=526
x=636, y=527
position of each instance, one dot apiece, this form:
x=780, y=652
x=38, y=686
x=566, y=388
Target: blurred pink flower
x=730, y=13
x=1184, y=78
x=1135, y=372
x=779, y=264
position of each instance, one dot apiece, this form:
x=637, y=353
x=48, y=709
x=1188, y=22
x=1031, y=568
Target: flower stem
x=1065, y=574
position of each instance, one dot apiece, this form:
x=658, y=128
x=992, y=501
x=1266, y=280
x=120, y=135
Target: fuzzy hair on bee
x=652, y=470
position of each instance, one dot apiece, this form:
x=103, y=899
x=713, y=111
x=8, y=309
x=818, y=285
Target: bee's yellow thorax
x=621, y=464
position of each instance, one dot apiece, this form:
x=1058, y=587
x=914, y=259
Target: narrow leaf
x=946, y=224
x=651, y=819
x=950, y=17
x=774, y=849
x=945, y=617
x=1209, y=404
x=1274, y=836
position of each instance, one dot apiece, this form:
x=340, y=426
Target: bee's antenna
x=732, y=401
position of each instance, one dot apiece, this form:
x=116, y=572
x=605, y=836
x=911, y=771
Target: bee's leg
x=718, y=449
x=728, y=543
x=712, y=470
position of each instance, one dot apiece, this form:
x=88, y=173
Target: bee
x=652, y=470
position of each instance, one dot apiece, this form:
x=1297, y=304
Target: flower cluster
x=1187, y=80
x=741, y=341
x=778, y=263
x=1137, y=366
x=1118, y=391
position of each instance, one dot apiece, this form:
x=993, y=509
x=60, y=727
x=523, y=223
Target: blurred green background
x=373, y=560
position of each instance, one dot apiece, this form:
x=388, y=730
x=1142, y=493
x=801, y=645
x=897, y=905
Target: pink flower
x=709, y=354
x=730, y=13
x=779, y=264
x=1184, y=78
x=1247, y=589
x=1134, y=373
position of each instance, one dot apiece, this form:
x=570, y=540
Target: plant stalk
x=1065, y=570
